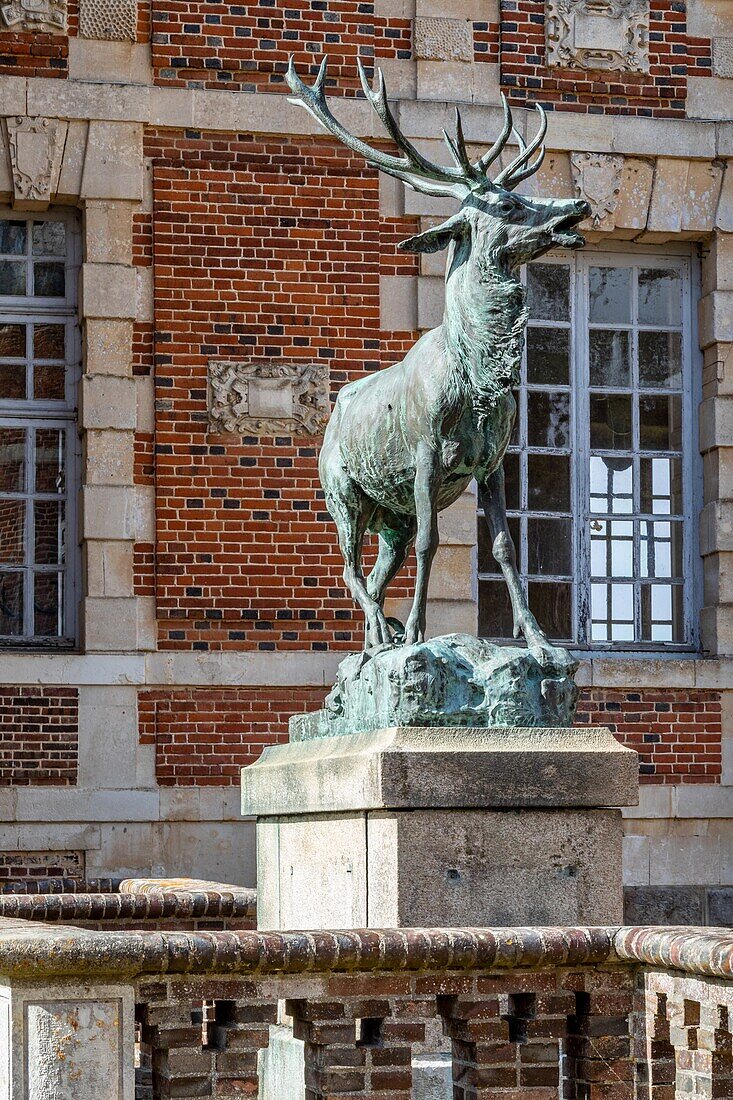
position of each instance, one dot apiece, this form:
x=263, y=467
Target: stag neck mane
x=484, y=322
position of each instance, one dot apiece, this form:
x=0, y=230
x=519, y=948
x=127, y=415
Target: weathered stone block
x=442, y=39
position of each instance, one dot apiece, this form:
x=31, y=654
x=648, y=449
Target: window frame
x=59, y=415
x=687, y=258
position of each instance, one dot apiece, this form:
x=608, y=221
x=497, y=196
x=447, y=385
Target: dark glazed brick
x=720, y=907
x=659, y=905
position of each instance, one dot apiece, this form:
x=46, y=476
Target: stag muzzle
x=562, y=227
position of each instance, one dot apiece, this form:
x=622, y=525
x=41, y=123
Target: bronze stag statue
x=402, y=444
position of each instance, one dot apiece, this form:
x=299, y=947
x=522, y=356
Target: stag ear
x=437, y=238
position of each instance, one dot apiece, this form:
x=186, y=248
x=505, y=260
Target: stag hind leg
x=352, y=512
x=395, y=541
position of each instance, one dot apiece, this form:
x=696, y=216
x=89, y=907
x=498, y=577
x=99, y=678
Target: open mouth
x=564, y=234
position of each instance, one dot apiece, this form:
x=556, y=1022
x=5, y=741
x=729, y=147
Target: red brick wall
x=247, y=45
x=38, y=736
x=661, y=92
x=36, y=867
x=676, y=733
x=203, y=737
x=264, y=249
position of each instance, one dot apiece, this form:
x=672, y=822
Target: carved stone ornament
x=598, y=34
x=35, y=15
x=272, y=398
x=597, y=179
x=111, y=20
x=35, y=146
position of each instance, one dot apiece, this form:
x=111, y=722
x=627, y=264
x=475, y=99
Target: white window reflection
x=597, y=477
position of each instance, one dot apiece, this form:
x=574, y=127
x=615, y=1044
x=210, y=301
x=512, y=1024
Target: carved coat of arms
x=271, y=398
x=597, y=178
x=35, y=15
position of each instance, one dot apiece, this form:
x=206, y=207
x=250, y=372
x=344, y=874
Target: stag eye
x=506, y=206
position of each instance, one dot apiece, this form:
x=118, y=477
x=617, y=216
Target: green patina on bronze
x=403, y=443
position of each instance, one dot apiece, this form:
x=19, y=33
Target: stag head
x=505, y=230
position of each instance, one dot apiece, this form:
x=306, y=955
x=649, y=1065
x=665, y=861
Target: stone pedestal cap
x=441, y=768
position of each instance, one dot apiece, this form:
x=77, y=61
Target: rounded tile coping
x=704, y=951
x=153, y=905
x=27, y=953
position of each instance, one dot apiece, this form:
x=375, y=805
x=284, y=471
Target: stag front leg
x=493, y=502
x=351, y=512
x=427, y=473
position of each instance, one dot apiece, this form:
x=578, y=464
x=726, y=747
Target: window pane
x=660, y=360
x=548, y=292
x=660, y=297
x=552, y=604
x=49, y=383
x=612, y=611
x=50, y=280
x=548, y=419
x=549, y=546
x=12, y=341
x=12, y=238
x=49, y=239
x=661, y=486
x=611, y=485
x=47, y=605
x=486, y=561
x=49, y=341
x=660, y=423
x=610, y=357
x=12, y=381
x=548, y=356
x=662, y=618
x=50, y=445
x=661, y=549
x=610, y=295
x=548, y=483
x=49, y=520
x=511, y=482
x=11, y=604
x=12, y=531
x=12, y=460
x=610, y=422
x=611, y=548
x=12, y=277
x=495, y=618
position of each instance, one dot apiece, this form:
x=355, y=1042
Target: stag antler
x=413, y=168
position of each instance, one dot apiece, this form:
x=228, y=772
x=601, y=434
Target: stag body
x=403, y=444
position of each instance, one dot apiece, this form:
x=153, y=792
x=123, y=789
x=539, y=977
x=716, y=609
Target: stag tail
x=458, y=180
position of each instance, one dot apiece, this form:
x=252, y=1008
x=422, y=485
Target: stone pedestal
x=441, y=826
x=444, y=826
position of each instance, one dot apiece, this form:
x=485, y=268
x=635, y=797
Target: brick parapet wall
x=677, y=733
x=38, y=735
x=204, y=735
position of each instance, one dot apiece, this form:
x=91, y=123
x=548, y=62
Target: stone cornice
x=264, y=113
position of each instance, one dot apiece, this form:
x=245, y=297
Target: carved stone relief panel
x=35, y=15
x=251, y=398
x=597, y=178
x=108, y=19
x=35, y=146
x=598, y=34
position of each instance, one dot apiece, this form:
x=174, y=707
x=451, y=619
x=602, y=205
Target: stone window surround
x=38, y=416
x=113, y=512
